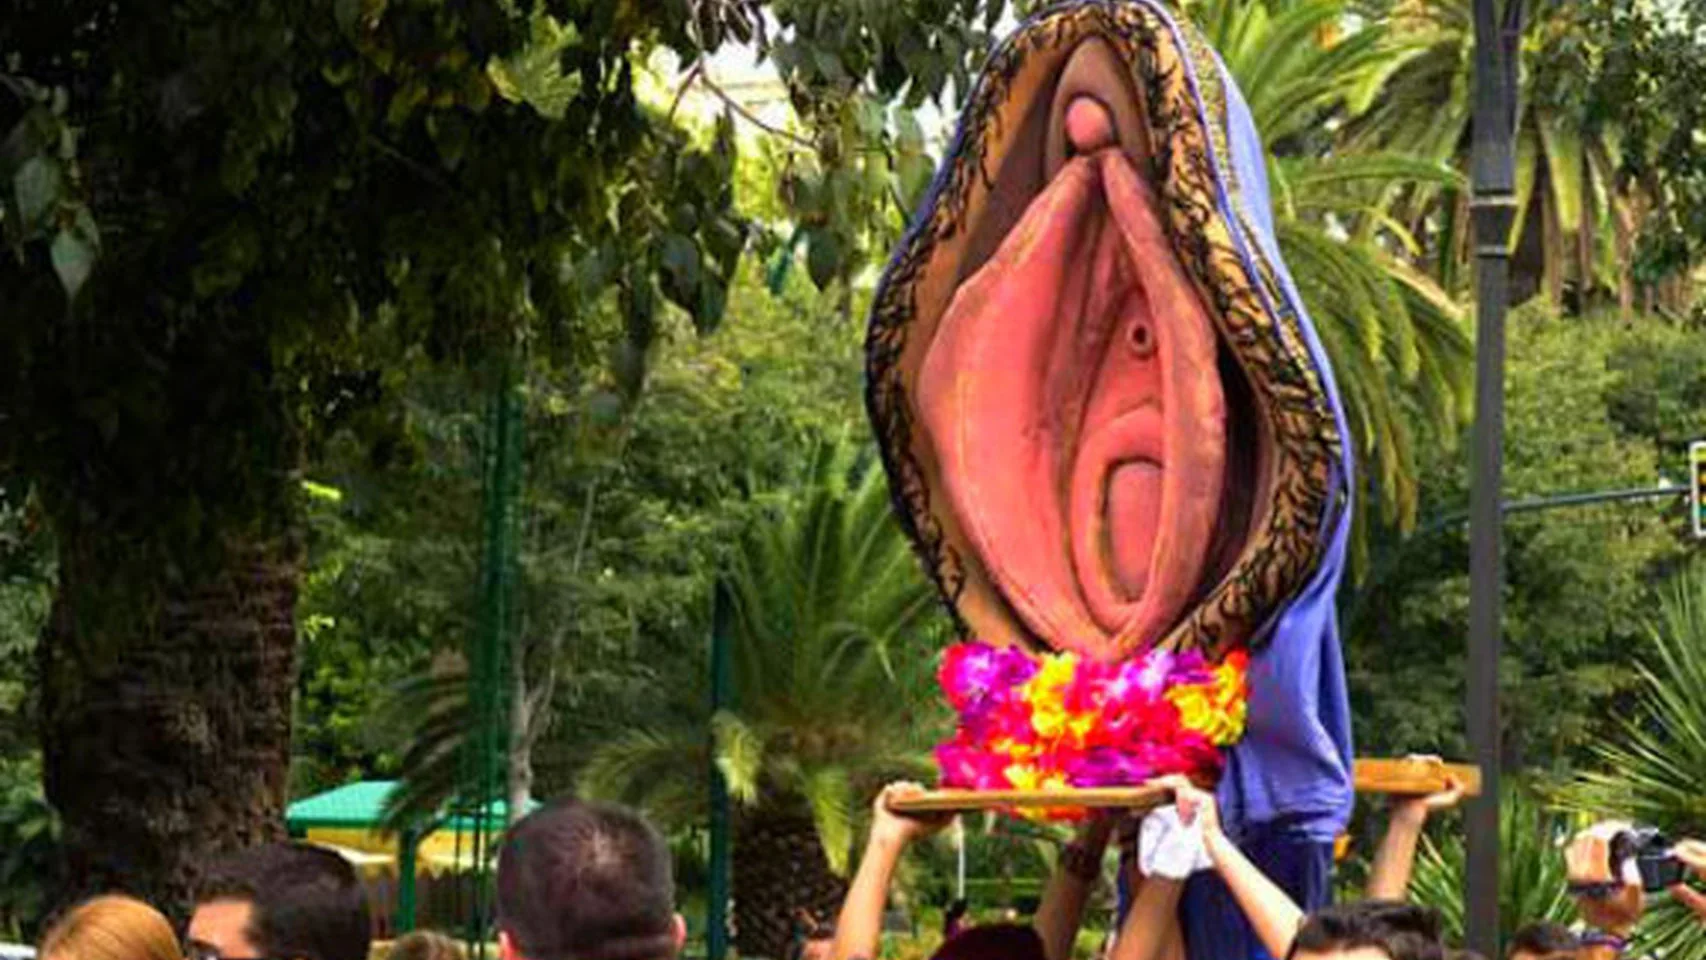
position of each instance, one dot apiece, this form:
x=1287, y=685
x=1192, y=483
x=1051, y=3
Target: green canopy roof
x=362, y=804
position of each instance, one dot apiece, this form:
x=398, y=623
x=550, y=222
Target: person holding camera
x=1691, y=854
x=1613, y=866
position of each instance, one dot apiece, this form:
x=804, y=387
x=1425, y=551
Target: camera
x=1651, y=852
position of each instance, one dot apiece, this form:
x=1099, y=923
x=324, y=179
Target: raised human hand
x=1692, y=853
x=1196, y=806
x=1416, y=809
x=893, y=827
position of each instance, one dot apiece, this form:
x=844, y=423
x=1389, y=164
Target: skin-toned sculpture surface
x=1107, y=421
x=1104, y=434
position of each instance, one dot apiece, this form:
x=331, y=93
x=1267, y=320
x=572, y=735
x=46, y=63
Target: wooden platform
x=1411, y=777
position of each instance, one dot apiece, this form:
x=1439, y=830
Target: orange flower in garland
x=1062, y=721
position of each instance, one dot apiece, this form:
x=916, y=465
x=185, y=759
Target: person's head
x=110, y=928
x=281, y=901
x=1370, y=930
x=993, y=941
x=586, y=881
x=426, y=945
x=1543, y=941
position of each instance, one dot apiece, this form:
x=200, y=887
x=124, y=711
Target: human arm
x=1692, y=853
x=1609, y=904
x=1062, y=909
x=1393, y=862
x=858, y=930
x=1151, y=927
x=1272, y=914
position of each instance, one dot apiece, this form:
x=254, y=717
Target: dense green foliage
x=829, y=660
x=1581, y=416
x=1649, y=771
x=1397, y=340
x=648, y=497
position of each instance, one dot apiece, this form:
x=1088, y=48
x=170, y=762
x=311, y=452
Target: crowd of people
x=1605, y=884
x=585, y=881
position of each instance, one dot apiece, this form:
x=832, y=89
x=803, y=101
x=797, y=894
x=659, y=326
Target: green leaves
x=1650, y=770
x=1580, y=586
x=37, y=186
x=534, y=74
x=824, y=588
x=38, y=159
x=823, y=256
x=855, y=75
x=73, y=252
x=740, y=755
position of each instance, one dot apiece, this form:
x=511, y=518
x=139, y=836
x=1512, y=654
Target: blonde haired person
x=111, y=928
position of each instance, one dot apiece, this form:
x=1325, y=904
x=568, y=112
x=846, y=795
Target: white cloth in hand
x=1168, y=847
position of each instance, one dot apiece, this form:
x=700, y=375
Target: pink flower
x=971, y=672
x=971, y=767
x=1066, y=721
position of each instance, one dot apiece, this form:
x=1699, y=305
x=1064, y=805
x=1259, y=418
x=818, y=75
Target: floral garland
x=1062, y=721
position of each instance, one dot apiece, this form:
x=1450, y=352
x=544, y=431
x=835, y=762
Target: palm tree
x=1575, y=222
x=1397, y=340
x=830, y=656
x=1651, y=773
x=1532, y=882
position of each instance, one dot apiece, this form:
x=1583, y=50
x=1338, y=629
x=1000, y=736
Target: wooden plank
x=1407, y=777
x=1415, y=776
x=1104, y=798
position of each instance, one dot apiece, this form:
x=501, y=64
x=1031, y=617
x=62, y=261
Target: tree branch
x=741, y=111
x=686, y=82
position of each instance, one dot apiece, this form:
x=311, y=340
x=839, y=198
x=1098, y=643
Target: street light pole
x=1494, y=211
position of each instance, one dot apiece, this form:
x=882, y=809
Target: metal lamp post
x=1494, y=210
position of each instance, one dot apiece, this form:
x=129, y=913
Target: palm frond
x=824, y=588
x=828, y=793
x=1650, y=773
x=740, y=755
x=432, y=709
x=664, y=771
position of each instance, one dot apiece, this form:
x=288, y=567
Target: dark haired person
x=586, y=881
x=1367, y=930
x=1543, y=941
x=1370, y=930
x=280, y=901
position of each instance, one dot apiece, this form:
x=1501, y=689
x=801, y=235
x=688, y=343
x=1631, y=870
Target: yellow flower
x=1017, y=749
x=1049, y=683
x=1023, y=776
x=1204, y=710
x=1079, y=727
x=1048, y=719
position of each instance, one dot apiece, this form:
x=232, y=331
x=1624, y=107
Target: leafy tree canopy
x=1582, y=416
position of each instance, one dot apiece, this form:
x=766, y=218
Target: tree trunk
x=166, y=699
x=779, y=869
x=518, y=778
